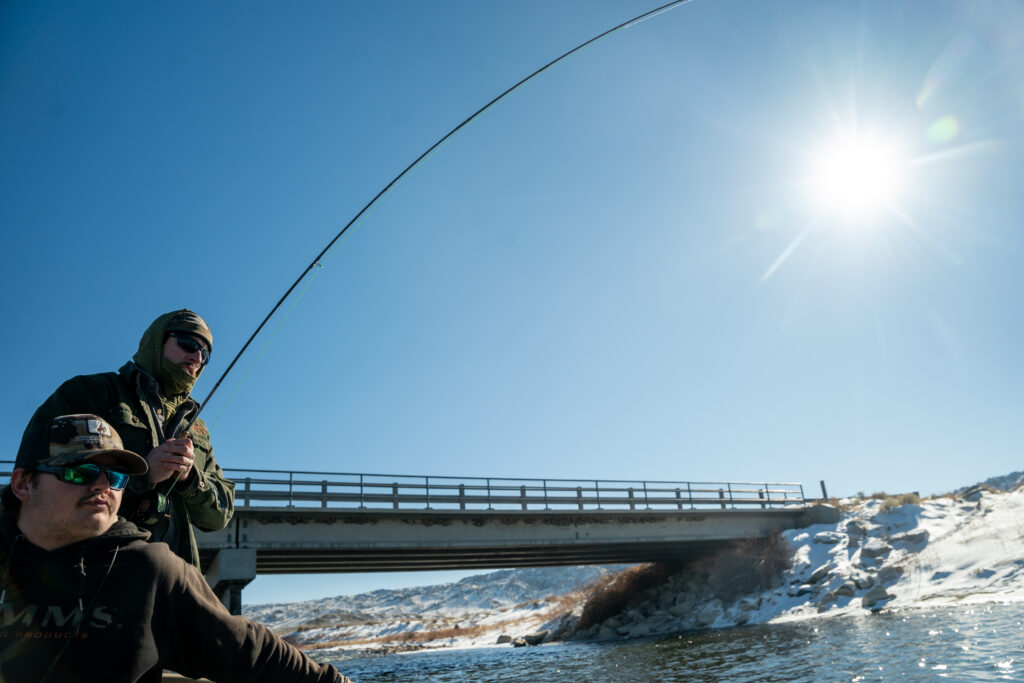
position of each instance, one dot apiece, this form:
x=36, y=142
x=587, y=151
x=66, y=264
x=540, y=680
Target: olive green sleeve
x=208, y=494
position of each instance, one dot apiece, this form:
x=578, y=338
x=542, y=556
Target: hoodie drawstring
x=81, y=591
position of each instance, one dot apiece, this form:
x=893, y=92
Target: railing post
x=632, y=506
x=679, y=499
x=462, y=496
x=291, y=484
x=597, y=494
x=732, y=500
x=768, y=494
x=579, y=496
x=689, y=493
x=394, y=494
x=428, y=492
x=546, y=494
x=760, y=494
x=721, y=496
x=362, y=501
x=246, y=491
x=647, y=501
x=323, y=493
x=489, y=506
x=522, y=496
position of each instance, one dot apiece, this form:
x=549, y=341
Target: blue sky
x=619, y=272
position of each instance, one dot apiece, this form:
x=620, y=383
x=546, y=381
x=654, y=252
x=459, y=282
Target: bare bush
x=749, y=566
x=613, y=593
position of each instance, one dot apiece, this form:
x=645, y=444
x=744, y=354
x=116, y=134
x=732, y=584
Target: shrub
x=891, y=502
x=749, y=566
x=613, y=593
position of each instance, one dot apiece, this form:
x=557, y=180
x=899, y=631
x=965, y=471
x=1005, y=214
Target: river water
x=966, y=642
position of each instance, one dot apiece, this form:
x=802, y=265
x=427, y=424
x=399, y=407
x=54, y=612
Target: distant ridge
x=1007, y=482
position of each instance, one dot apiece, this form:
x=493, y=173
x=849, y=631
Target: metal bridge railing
x=279, y=488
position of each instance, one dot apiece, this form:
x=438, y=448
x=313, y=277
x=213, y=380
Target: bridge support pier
x=231, y=570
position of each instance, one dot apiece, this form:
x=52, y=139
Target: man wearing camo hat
x=83, y=597
x=148, y=402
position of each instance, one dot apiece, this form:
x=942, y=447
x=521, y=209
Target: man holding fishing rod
x=148, y=402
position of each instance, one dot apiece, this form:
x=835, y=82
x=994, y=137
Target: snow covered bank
x=963, y=549
x=940, y=551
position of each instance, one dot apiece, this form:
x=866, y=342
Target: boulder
x=828, y=537
x=679, y=610
x=518, y=642
x=749, y=604
x=640, y=630
x=912, y=537
x=535, y=638
x=819, y=573
x=874, y=598
x=875, y=548
x=848, y=589
x=709, y=614
x=889, y=573
x=797, y=591
x=504, y=638
x=973, y=494
x=864, y=581
x=855, y=528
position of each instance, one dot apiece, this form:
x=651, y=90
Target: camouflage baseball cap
x=190, y=323
x=71, y=439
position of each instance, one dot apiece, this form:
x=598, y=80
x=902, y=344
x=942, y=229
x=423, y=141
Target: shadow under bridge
x=316, y=522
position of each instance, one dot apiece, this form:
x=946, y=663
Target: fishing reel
x=153, y=508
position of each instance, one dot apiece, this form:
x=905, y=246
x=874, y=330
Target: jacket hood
x=175, y=384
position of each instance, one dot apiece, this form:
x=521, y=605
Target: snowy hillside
x=484, y=596
x=961, y=548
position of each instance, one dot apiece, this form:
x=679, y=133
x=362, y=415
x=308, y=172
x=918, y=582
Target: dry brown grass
x=408, y=637
x=893, y=502
x=613, y=593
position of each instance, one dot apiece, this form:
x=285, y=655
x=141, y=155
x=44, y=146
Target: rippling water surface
x=978, y=642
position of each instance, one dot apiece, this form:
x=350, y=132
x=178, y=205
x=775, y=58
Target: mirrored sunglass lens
x=81, y=474
x=117, y=478
x=87, y=473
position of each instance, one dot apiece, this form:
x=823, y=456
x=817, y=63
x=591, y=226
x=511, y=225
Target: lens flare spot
x=944, y=68
x=944, y=130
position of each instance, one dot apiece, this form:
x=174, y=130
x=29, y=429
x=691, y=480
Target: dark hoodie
x=115, y=608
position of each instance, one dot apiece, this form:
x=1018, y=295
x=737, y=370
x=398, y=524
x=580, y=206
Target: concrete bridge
x=315, y=522
x=323, y=522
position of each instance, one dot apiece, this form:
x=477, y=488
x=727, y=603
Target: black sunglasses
x=190, y=345
x=87, y=472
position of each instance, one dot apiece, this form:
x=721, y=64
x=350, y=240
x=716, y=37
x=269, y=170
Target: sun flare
x=856, y=178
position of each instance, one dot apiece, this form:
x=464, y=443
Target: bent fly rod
x=316, y=260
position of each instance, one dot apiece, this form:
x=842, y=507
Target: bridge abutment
x=231, y=570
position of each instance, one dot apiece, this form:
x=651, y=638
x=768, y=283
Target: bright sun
x=855, y=178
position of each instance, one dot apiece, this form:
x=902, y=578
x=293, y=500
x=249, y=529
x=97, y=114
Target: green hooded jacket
x=143, y=401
